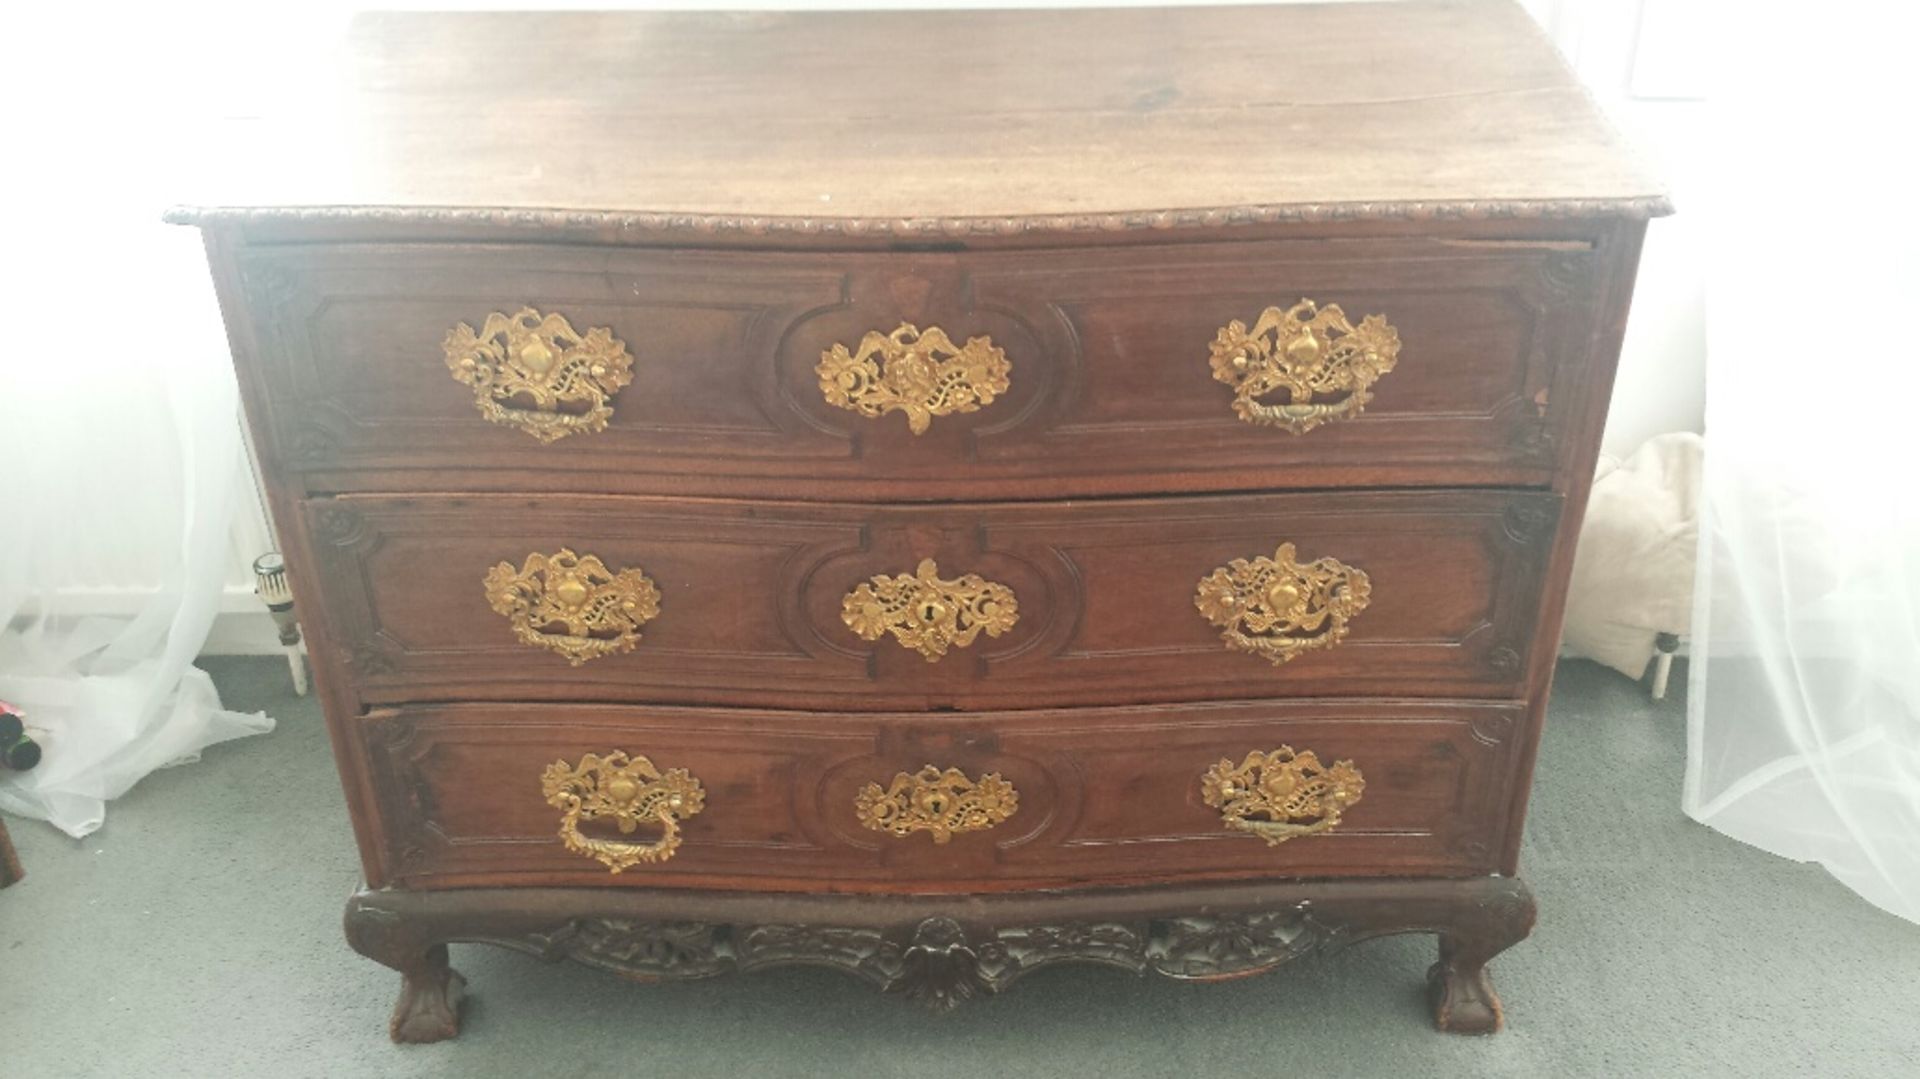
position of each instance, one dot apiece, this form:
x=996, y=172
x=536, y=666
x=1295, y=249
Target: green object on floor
x=198, y=935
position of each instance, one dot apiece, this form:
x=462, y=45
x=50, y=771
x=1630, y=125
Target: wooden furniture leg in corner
x=10, y=870
x=941, y=952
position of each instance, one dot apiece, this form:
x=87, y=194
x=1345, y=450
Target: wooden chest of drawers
x=1110, y=502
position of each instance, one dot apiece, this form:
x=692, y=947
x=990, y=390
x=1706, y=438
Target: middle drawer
x=1008, y=605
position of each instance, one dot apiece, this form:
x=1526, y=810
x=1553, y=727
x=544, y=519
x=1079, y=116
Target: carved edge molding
x=939, y=959
x=1637, y=208
x=938, y=962
x=1529, y=523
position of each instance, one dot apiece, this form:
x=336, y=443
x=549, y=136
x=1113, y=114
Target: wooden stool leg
x=1665, y=645
x=10, y=870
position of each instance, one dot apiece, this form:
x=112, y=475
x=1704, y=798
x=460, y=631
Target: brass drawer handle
x=1278, y=608
x=927, y=614
x=1306, y=350
x=534, y=372
x=917, y=372
x=1293, y=792
x=630, y=791
x=931, y=800
x=573, y=604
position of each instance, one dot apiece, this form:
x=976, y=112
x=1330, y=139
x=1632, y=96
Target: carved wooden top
x=945, y=123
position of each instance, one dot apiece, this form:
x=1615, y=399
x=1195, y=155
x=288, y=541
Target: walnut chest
x=933, y=495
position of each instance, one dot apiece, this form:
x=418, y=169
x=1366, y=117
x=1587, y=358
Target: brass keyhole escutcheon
x=919, y=372
x=943, y=802
x=927, y=613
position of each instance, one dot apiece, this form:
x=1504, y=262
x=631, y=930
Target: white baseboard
x=241, y=626
x=242, y=633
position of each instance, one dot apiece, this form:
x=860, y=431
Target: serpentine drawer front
x=788, y=799
x=917, y=376
x=1110, y=502
x=886, y=607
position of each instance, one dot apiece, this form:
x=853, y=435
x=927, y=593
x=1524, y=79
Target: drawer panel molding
x=802, y=605
x=1052, y=374
x=469, y=794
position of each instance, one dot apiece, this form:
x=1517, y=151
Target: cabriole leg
x=1459, y=985
x=429, y=1006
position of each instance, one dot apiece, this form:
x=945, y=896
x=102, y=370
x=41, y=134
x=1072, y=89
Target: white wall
x=1643, y=61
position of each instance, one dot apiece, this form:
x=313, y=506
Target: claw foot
x=429, y=1006
x=1463, y=1001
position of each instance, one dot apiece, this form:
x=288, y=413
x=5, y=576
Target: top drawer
x=1053, y=374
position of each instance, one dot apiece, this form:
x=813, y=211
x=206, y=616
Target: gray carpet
x=199, y=935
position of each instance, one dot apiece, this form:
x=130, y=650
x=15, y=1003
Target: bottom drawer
x=481, y=794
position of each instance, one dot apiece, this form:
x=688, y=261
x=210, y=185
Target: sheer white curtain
x=117, y=404
x=1804, y=707
x=134, y=461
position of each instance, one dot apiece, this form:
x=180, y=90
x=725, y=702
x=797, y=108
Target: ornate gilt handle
x=573, y=604
x=931, y=800
x=1307, y=351
x=630, y=791
x=534, y=372
x=1278, y=607
x=928, y=614
x=1281, y=794
x=920, y=373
